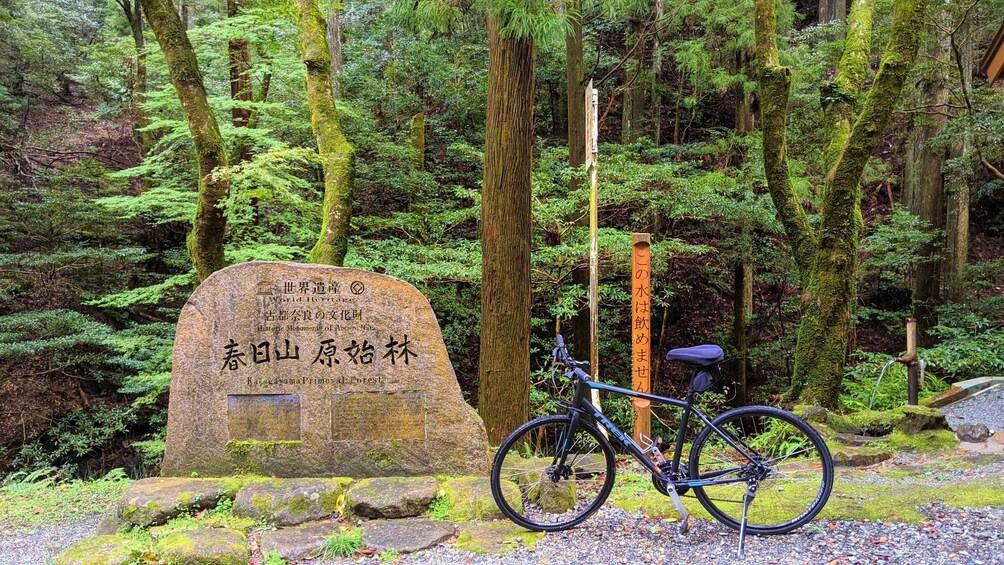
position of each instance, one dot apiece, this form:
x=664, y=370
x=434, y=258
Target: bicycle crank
x=661, y=485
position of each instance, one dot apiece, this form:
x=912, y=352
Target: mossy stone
x=470, y=498
x=98, y=550
x=812, y=414
x=926, y=441
x=286, y=502
x=496, y=537
x=848, y=456
x=557, y=497
x=154, y=501
x=215, y=546
x=391, y=497
x=865, y=422
x=920, y=418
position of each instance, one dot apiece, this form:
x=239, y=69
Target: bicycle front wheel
x=532, y=486
x=793, y=472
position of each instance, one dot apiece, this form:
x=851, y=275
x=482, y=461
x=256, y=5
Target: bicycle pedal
x=685, y=526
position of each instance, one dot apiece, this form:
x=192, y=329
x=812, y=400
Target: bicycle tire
x=499, y=460
x=826, y=470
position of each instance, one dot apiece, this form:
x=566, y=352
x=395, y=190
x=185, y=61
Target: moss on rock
x=99, y=550
x=204, y=547
x=927, y=441
x=470, y=498
x=865, y=422
x=154, y=501
x=286, y=502
x=496, y=537
x=920, y=418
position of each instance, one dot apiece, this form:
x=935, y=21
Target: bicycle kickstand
x=747, y=499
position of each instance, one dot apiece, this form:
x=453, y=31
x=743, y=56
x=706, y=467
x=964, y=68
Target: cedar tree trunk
x=576, y=112
x=504, y=363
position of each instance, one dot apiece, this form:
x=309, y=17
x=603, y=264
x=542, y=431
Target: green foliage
x=45, y=497
x=893, y=249
x=861, y=378
x=343, y=543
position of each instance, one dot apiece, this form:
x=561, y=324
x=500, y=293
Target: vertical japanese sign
x=592, y=151
x=641, y=330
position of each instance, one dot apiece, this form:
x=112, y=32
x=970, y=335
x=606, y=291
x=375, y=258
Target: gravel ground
x=986, y=407
x=20, y=546
x=950, y=535
x=613, y=536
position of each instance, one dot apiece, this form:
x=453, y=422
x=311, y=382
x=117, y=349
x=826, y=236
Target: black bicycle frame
x=582, y=404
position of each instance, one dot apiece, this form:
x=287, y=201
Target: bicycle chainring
x=661, y=485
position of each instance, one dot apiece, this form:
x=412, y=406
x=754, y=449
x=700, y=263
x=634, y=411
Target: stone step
x=287, y=502
x=405, y=535
x=297, y=543
x=391, y=497
x=153, y=501
x=103, y=550
x=849, y=456
x=857, y=440
x=219, y=546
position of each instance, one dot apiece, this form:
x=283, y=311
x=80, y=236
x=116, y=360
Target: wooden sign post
x=641, y=331
x=592, y=151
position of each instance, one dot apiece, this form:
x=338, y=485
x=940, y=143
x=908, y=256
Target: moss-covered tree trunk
x=827, y=257
x=335, y=45
x=205, y=242
x=576, y=113
x=839, y=96
x=504, y=361
x=335, y=151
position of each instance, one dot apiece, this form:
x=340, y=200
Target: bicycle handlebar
x=561, y=354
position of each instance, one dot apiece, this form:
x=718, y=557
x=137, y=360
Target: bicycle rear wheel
x=552, y=496
x=793, y=485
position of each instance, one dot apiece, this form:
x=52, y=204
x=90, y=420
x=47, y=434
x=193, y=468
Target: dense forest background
x=98, y=175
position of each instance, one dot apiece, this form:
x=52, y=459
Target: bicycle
x=564, y=467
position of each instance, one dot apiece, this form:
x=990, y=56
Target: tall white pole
x=592, y=151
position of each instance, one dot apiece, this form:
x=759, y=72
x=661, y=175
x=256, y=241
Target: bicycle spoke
x=787, y=469
x=551, y=493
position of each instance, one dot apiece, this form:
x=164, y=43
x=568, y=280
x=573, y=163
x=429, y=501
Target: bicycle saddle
x=700, y=355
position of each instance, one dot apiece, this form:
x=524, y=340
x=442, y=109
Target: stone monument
x=293, y=370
